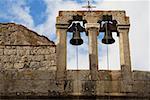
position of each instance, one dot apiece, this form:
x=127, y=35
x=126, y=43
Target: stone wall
x=27, y=61
x=36, y=83
x=21, y=48
x=28, y=57
x=28, y=70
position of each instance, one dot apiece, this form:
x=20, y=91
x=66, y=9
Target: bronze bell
x=108, y=26
x=76, y=29
x=76, y=39
x=108, y=39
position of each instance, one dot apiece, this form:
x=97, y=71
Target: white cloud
x=19, y=12
x=138, y=32
x=53, y=6
x=137, y=10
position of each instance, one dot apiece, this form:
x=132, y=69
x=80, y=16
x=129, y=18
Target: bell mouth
x=108, y=41
x=76, y=41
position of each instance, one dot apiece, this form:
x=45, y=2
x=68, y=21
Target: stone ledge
x=72, y=97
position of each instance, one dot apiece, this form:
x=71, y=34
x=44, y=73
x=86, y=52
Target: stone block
x=24, y=58
x=52, y=50
x=34, y=86
x=8, y=58
x=100, y=87
x=35, y=75
x=1, y=86
x=61, y=75
x=137, y=75
x=1, y=52
x=1, y=57
x=107, y=87
x=1, y=76
x=24, y=48
x=20, y=86
x=115, y=75
x=2, y=47
x=68, y=86
x=34, y=65
x=77, y=87
x=22, y=52
x=80, y=75
x=44, y=63
x=1, y=66
x=47, y=63
x=45, y=51
x=116, y=85
x=9, y=74
x=10, y=52
x=126, y=87
x=18, y=75
x=148, y=76
x=34, y=50
x=84, y=75
x=53, y=62
x=26, y=75
x=126, y=73
x=60, y=87
x=52, y=68
x=89, y=87
x=41, y=86
x=141, y=87
x=42, y=51
x=148, y=87
x=10, y=47
x=45, y=75
x=37, y=58
x=104, y=75
x=50, y=57
x=8, y=65
x=19, y=65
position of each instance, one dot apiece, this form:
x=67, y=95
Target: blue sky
x=38, y=9
x=40, y=16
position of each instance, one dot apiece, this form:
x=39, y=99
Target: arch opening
x=108, y=55
x=83, y=56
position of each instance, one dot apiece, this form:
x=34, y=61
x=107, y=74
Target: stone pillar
x=125, y=60
x=93, y=31
x=61, y=50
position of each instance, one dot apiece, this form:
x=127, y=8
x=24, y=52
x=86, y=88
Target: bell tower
x=94, y=23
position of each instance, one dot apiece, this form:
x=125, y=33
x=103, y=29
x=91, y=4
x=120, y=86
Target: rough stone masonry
x=32, y=66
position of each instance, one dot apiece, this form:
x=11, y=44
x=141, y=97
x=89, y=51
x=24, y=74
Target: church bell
x=108, y=26
x=76, y=28
x=107, y=39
